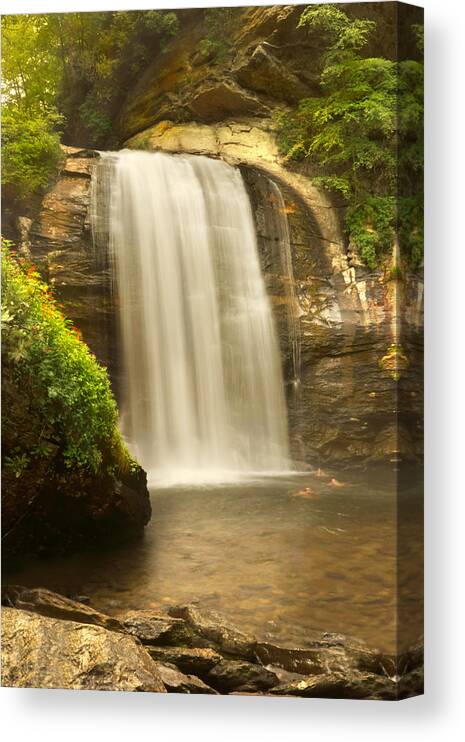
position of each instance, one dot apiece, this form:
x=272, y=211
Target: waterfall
x=203, y=398
x=293, y=311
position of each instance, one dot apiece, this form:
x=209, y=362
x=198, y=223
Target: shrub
x=57, y=402
x=363, y=135
x=31, y=153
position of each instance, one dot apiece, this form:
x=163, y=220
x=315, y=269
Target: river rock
x=42, y=652
x=338, y=685
x=176, y=681
x=214, y=629
x=302, y=661
x=53, y=605
x=411, y=683
x=190, y=660
x=154, y=628
x=326, y=653
x=233, y=675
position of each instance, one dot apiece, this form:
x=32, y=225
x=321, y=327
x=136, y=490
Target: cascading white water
x=204, y=391
x=293, y=311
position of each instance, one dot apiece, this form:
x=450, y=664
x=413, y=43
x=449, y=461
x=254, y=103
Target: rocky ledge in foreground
x=50, y=641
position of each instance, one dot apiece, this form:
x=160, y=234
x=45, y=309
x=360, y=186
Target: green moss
x=217, y=43
x=395, y=273
x=395, y=361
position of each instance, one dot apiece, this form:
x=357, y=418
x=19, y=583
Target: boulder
x=215, y=102
x=43, y=513
x=42, y=652
x=190, y=660
x=213, y=628
x=235, y=675
x=176, y=681
x=53, y=605
x=154, y=628
x=262, y=72
x=326, y=653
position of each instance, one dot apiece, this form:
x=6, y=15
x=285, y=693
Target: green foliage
x=30, y=121
x=101, y=54
x=54, y=384
x=216, y=43
x=31, y=152
x=363, y=134
x=343, y=36
x=410, y=157
x=67, y=73
x=370, y=224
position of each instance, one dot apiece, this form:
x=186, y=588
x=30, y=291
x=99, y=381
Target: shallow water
x=275, y=559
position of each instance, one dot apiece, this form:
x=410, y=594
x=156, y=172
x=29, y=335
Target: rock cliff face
x=360, y=330
x=261, y=59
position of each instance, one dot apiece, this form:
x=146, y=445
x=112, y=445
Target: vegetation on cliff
x=46, y=362
x=59, y=418
x=65, y=75
x=364, y=135
x=68, y=75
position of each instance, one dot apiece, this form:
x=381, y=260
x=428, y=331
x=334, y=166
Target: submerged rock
x=213, y=628
x=42, y=652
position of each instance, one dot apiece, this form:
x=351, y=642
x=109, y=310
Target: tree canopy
x=364, y=135
x=64, y=75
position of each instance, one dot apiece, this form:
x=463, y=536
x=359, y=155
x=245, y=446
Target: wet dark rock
x=213, y=628
x=411, y=659
x=42, y=513
x=43, y=652
x=337, y=685
x=302, y=661
x=411, y=684
x=53, y=605
x=190, y=660
x=176, y=681
x=154, y=628
x=233, y=675
x=326, y=653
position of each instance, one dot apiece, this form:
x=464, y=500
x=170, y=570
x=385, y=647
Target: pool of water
x=278, y=556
